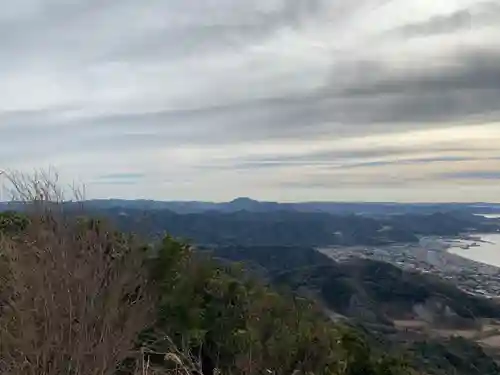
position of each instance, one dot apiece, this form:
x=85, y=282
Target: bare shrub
x=75, y=293
x=174, y=361
x=40, y=187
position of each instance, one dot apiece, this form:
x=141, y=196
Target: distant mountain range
x=293, y=228
x=247, y=204
x=252, y=205
x=244, y=221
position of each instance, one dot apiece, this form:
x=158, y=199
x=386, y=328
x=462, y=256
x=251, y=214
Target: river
x=486, y=252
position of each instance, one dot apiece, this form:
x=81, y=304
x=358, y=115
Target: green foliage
x=12, y=222
x=455, y=355
x=386, y=291
x=245, y=327
x=360, y=359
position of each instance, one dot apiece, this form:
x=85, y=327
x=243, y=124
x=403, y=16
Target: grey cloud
x=373, y=99
x=347, y=160
x=107, y=30
x=321, y=113
x=339, y=181
x=474, y=70
x=235, y=31
x=218, y=37
x=417, y=161
x=468, y=90
x=115, y=182
x=278, y=120
x=52, y=24
x=125, y=178
x=439, y=25
x=44, y=133
x=121, y=176
x=212, y=37
x=472, y=175
x=383, y=180
x=483, y=14
x=387, y=103
x=196, y=40
x=393, y=152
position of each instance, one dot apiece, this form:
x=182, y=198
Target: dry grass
x=75, y=294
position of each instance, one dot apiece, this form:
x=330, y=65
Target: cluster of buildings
x=430, y=256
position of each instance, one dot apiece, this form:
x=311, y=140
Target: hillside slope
x=411, y=310
x=79, y=297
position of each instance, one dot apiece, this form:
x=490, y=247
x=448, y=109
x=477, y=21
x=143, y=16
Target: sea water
x=486, y=252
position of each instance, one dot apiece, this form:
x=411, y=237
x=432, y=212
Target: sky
x=282, y=100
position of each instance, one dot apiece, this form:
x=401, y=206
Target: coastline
x=433, y=255
x=481, y=248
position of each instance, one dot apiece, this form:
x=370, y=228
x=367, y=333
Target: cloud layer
x=278, y=99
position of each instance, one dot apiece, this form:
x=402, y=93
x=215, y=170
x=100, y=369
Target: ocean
x=487, y=252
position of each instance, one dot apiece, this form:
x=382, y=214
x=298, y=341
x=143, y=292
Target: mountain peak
x=244, y=200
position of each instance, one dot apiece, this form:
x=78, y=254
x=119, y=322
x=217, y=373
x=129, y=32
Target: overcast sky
x=288, y=100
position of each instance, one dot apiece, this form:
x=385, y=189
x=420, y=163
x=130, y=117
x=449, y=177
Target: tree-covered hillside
x=373, y=295
x=294, y=228
x=384, y=290
x=73, y=297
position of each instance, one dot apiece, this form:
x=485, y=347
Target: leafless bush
x=39, y=187
x=175, y=361
x=76, y=293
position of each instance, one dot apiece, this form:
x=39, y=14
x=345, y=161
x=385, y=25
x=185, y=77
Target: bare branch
x=75, y=294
